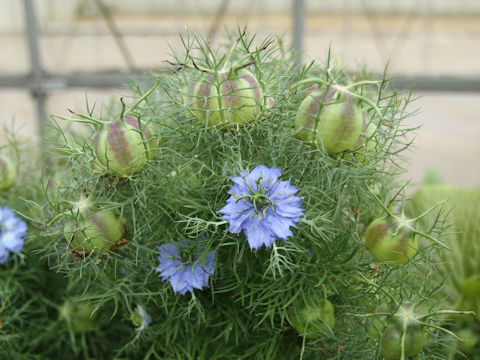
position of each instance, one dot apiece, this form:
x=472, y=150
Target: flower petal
x=168, y=250
x=12, y=241
x=258, y=235
x=288, y=211
x=182, y=276
x=234, y=207
x=279, y=226
x=193, y=277
x=238, y=222
x=3, y=253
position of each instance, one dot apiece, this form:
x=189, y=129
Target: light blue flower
x=184, y=267
x=263, y=207
x=12, y=232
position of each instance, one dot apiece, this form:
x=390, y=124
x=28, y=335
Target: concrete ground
x=449, y=136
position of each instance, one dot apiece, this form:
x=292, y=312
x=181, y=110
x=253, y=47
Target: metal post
x=298, y=29
x=36, y=87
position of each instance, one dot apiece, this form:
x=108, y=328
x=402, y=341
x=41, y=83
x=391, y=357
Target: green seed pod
x=78, y=315
x=228, y=99
x=365, y=145
x=391, y=344
x=377, y=325
x=312, y=317
x=469, y=339
x=471, y=287
x=8, y=174
x=124, y=146
x=90, y=229
x=403, y=322
x=390, y=239
x=332, y=119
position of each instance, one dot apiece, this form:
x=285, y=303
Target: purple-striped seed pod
x=231, y=98
x=124, y=146
x=330, y=119
x=270, y=101
x=8, y=175
x=391, y=239
x=89, y=228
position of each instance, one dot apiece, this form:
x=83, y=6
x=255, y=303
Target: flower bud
x=312, y=317
x=230, y=98
x=390, y=239
x=330, y=119
x=78, y=315
x=124, y=146
x=88, y=228
x=8, y=174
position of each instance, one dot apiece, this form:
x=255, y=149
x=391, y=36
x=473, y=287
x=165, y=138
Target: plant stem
x=140, y=99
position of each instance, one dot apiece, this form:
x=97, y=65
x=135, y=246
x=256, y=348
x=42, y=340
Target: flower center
x=188, y=255
x=136, y=318
x=260, y=202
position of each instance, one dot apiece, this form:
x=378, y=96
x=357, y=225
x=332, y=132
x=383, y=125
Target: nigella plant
x=263, y=207
x=12, y=232
x=314, y=292
x=184, y=266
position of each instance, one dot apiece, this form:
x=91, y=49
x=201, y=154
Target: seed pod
x=230, y=98
x=471, y=287
x=365, y=145
x=403, y=322
x=470, y=338
x=124, y=146
x=312, y=317
x=330, y=119
x=90, y=229
x=377, y=325
x=8, y=174
x=390, y=239
x=470, y=299
x=78, y=315
x=270, y=101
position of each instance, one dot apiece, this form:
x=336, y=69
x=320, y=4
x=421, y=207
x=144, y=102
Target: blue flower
x=12, y=232
x=263, y=207
x=182, y=265
x=140, y=318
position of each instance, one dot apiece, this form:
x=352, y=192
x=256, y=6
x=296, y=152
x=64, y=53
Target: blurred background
x=56, y=52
